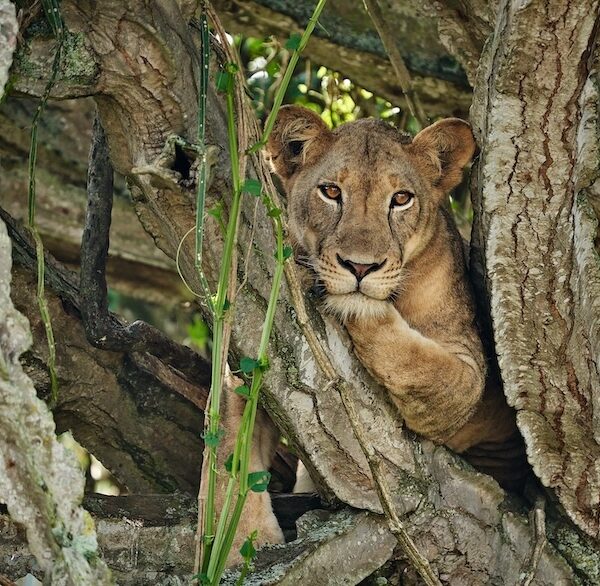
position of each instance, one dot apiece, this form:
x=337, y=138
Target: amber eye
x=330, y=191
x=402, y=200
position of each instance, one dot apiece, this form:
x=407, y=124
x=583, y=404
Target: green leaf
x=248, y=551
x=293, y=43
x=413, y=126
x=243, y=391
x=272, y=68
x=252, y=186
x=202, y=578
x=247, y=365
x=212, y=439
x=224, y=81
x=287, y=252
x=229, y=463
x=198, y=332
x=259, y=481
x=274, y=213
x=216, y=211
x=226, y=305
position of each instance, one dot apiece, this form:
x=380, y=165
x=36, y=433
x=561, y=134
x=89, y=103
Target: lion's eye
x=402, y=200
x=330, y=191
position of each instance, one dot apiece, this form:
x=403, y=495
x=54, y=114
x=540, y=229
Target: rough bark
x=535, y=113
x=150, y=539
x=8, y=40
x=40, y=481
x=463, y=28
x=145, y=539
x=465, y=525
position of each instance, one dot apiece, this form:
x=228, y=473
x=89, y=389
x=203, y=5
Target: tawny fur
x=412, y=320
x=258, y=512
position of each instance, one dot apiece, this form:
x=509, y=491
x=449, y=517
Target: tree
x=534, y=110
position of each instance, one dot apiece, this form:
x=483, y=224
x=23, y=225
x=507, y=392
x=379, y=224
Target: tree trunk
x=468, y=528
x=535, y=111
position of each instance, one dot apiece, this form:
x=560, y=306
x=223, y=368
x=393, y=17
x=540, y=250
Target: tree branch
x=101, y=329
x=400, y=69
x=132, y=411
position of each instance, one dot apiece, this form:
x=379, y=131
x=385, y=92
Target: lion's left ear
x=446, y=147
x=298, y=137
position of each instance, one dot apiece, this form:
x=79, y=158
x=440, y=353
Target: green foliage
x=247, y=365
x=202, y=170
x=253, y=187
x=243, y=391
x=248, y=551
x=336, y=98
x=259, y=481
x=293, y=43
x=287, y=251
x=219, y=529
x=198, y=333
x=213, y=438
x=54, y=18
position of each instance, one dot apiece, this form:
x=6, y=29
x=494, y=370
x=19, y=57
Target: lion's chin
x=355, y=306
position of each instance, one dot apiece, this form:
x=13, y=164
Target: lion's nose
x=358, y=269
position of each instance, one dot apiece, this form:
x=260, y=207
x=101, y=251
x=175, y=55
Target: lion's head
x=364, y=200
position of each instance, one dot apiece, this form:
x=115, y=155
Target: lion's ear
x=445, y=147
x=299, y=135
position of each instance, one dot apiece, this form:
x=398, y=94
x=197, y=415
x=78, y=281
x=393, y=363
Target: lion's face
x=361, y=201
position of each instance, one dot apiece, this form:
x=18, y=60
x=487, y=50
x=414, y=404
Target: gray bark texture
x=40, y=481
x=138, y=63
x=8, y=40
x=535, y=112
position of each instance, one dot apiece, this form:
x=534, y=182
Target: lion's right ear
x=445, y=148
x=299, y=135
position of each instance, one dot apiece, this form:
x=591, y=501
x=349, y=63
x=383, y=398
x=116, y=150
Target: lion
x=368, y=212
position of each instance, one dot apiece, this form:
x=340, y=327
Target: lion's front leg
x=258, y=512
x=436, y=386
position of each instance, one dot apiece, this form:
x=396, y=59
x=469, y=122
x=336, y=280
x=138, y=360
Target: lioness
x=368, y=212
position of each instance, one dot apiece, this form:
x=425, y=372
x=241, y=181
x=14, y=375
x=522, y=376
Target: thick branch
x=100, y=326
x=127, y=409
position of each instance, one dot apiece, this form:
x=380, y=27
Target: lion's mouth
x=354, y=305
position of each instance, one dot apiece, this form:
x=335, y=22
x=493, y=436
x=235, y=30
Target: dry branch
x=402, y=74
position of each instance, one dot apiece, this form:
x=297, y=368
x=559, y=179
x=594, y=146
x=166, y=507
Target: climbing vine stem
x=54, y=18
